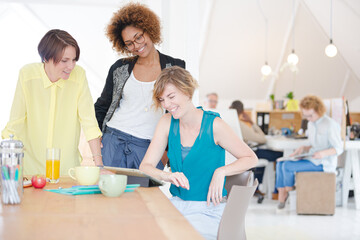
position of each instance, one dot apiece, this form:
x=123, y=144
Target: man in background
x=211, y=100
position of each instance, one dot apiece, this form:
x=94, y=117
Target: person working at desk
x=197, y=140
x=249, y=130
x=326, y=145
x=254, y=136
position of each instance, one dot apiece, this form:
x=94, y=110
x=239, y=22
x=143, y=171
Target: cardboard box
x=315, y=193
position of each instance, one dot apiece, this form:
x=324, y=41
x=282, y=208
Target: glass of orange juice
x=52, y=165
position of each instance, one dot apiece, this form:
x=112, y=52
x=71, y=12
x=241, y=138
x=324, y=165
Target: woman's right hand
x=176, y=178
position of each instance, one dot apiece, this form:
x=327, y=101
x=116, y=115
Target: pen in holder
x=11, y=156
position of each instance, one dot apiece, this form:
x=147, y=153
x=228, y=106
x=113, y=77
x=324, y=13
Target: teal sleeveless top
x=200, y=163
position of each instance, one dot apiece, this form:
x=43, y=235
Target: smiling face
x=310, y=114
x=63, y=68
x=174, y=101
x=137, y=41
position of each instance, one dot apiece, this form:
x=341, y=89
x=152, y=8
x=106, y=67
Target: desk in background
x=282, y=143
x=278, y=119
x=143, y=214
x=351, y=179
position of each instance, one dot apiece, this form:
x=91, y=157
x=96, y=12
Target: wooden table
x=143, y=214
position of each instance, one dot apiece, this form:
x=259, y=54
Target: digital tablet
x=135, y=176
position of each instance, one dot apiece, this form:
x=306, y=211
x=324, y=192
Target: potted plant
x=272, y=98
x=290, y=95
x=292, y=104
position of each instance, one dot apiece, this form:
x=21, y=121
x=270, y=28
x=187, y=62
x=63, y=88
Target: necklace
x=146, y=108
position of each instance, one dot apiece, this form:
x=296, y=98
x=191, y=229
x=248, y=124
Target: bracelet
x=100, y=166
x=98, y=155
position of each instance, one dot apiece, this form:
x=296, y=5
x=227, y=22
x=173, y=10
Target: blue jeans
x=285, y=171
x=124, y=150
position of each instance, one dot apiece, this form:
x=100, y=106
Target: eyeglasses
x=130, y=45
x=307, y=116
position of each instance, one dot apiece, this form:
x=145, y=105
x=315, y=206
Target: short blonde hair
x=177, y=76
x=313, y=102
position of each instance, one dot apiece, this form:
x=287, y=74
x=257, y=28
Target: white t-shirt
x=135, y=114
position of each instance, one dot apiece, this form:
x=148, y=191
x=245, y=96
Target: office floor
x=263, y=222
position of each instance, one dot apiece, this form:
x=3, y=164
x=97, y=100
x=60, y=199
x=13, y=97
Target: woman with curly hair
x=325, y=146
x=124, y=110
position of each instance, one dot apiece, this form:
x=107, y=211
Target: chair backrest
x=231, y=118
x=243, y=179
x=241, y=188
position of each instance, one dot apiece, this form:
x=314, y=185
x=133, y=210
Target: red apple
x=38, y=181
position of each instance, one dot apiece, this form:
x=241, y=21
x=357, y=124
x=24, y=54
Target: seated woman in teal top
x=197, y=142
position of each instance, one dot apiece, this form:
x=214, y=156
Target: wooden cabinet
x=278, y=119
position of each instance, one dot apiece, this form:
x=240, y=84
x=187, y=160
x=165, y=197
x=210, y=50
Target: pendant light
x=331, y=49
x=293, y=59
x=265, y=69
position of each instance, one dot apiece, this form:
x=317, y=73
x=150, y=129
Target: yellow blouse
x=46, y=114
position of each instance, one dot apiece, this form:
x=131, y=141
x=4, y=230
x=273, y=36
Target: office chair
x=241, y=188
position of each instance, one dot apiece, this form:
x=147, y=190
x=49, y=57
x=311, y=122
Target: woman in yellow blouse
x=52, y=103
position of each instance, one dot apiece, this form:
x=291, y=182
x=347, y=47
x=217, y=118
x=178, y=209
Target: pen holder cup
x=11, y=168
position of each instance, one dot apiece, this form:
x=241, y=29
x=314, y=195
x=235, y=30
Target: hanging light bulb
x=293, y=59
x=331, y=50
x=266, y=69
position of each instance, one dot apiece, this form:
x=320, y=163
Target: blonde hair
x=177, y=76
x=313, y=102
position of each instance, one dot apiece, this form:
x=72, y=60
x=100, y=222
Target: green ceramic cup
x=112, y=185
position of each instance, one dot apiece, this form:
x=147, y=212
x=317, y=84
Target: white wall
x=23, y=23
x=224, y=53
x=234, y=52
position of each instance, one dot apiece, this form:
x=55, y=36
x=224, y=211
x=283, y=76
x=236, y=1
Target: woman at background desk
x=326, y=145
x=252, y=133
x=52, y=102
x=197, y=140
x=124, y=109
x=249, y=130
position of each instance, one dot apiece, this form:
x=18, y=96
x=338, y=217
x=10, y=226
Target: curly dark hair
x=136, y=15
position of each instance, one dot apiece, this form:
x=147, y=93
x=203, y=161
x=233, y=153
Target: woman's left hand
x=216, y=187
x=106, y=172
x=318, y=155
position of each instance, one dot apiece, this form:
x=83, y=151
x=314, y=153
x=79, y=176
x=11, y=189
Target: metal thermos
x=11, y=160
